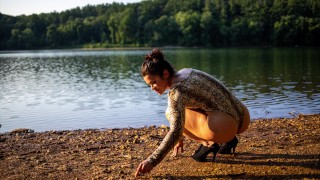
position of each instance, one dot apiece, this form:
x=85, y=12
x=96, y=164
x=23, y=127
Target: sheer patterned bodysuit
x=199, y=91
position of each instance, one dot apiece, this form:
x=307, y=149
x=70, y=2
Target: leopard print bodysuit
x=199, y=91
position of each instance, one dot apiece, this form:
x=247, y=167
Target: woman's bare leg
x=189, y=135
x=223, y=126
x=191, y=117
x=211, y=127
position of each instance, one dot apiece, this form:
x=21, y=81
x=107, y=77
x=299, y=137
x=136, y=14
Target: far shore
x=100, y=48
x=119, y=48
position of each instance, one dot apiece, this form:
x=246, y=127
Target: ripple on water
x=72, y=90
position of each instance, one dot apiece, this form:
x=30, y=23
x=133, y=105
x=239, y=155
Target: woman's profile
x=200, y=108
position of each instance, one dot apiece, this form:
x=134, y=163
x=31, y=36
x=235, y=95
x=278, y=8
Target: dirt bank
x=269, y=149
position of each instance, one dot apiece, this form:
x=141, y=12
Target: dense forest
x=201, y=23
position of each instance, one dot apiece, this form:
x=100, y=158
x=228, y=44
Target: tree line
x=203, y=23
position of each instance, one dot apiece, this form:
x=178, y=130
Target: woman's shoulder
x=185, y=71
x=188, y=71
x=181, y=76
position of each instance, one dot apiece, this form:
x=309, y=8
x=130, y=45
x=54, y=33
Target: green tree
x=174, y=6
x=113, y=25
x=15, y=40
x=28, y=38
x=148, y=12
x=53, y=36
x=165, y=31
x=189, y=24
x=22, y=39
x=239, y=32
x=127, y=26
x=168, y=22
x=313, y=35
x=284, y=30
x=209, y=25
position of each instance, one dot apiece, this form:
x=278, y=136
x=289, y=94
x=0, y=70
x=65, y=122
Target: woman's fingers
x=181, y=145
x=175, y=152
x=139, y=169
x=143, y=167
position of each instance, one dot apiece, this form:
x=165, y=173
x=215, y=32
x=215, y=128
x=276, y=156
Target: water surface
x=78, y=89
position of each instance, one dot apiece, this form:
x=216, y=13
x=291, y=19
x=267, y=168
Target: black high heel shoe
x=203, y=151
x=226, y=147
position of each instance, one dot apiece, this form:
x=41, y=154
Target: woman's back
x=202, y=91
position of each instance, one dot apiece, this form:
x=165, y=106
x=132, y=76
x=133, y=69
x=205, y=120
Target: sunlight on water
x=55, y=90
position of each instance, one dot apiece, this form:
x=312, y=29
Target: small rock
x=21, y=130
x=64, y=168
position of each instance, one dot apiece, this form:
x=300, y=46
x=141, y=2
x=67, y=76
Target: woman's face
x=157, y=83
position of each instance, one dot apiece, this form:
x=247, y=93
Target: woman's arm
x=176, y=114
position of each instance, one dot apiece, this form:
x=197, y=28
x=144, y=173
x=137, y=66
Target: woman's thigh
x=213, y=126
x=223, y=125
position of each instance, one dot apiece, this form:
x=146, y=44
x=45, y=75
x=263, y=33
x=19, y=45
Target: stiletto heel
x=227, y=147
x=202, y=152
x=215, y=149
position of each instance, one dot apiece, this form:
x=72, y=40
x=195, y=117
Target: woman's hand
x=176, y=148
x=144, y=167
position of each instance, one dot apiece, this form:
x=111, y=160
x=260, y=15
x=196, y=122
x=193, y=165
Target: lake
x=80, y=89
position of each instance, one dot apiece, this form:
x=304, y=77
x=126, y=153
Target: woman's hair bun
x=155, y=54
x=155, y=64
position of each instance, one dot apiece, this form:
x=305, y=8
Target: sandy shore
x=269, y=149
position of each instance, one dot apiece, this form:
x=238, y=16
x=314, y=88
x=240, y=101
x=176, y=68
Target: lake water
x=79, y=89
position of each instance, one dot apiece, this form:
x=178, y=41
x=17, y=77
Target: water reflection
x=47, y=90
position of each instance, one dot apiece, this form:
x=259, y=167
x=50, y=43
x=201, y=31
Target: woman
x=199, y=107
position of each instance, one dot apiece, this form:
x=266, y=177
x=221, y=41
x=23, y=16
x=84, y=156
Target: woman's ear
x=166, y=74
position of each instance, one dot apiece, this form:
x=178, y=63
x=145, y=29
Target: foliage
x=168, y=22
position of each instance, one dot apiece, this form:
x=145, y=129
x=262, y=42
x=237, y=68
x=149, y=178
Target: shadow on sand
x=281, y=161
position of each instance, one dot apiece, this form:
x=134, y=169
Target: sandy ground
x=269, y=149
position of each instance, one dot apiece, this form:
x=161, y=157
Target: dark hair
x=154, y=64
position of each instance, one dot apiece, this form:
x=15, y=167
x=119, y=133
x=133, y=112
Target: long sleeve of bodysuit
x=176, y=119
